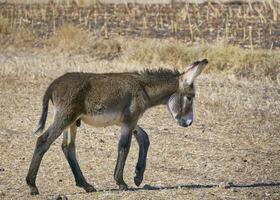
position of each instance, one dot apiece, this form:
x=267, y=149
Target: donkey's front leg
x=123, y=149
x=144, y=143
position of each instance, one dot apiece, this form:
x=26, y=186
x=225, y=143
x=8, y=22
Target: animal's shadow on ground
x=199, y=186
x=191, y=186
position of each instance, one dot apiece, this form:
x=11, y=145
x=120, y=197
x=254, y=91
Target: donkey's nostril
x=189, y=122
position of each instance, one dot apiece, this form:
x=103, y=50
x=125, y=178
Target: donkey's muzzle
x=184, y=123
x=204, y=61
x=200, y=62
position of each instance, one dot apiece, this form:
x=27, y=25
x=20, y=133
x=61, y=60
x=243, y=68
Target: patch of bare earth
x=230, y=152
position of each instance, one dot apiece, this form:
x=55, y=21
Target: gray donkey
x=111, y=99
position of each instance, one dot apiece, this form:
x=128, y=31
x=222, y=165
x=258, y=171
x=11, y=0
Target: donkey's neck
x=159, y=90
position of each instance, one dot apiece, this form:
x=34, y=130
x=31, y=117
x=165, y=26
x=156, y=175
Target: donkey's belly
x=102, y=120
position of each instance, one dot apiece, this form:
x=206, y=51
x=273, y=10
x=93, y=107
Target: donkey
x=111, y=99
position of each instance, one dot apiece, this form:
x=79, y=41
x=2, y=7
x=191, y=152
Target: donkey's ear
x=193, y=71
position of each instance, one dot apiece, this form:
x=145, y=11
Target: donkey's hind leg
x=144, y=143
x=69, y=150
x=43, y=144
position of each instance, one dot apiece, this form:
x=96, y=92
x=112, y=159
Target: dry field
x=232, y=150
x=251, y=25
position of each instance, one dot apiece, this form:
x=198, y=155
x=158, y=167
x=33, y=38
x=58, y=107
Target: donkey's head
x=180, y=104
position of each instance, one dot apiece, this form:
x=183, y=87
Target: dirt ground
x=232, y=150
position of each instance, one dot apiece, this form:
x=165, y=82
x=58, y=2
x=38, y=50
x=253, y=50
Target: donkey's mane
x=160, y=72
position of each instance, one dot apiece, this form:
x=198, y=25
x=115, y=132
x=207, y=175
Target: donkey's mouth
x=200, y=62
x=204, y=61
x=184, y=124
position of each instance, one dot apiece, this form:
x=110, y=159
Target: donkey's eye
x=189, y=98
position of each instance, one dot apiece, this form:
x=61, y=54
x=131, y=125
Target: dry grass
x=105, y=49
x=89, y=2
x=235, y=137
x=225, y=59
x=4, y=26
x=69, y=38
x=22, y=37
x=249, y=25
x=63, y=2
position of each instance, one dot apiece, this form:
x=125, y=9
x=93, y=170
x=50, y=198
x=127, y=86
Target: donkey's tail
x=45, y=106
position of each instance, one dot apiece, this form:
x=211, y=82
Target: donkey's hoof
x=138, y=180
x=122, y=186
x=89, y=188
x=34, y=191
